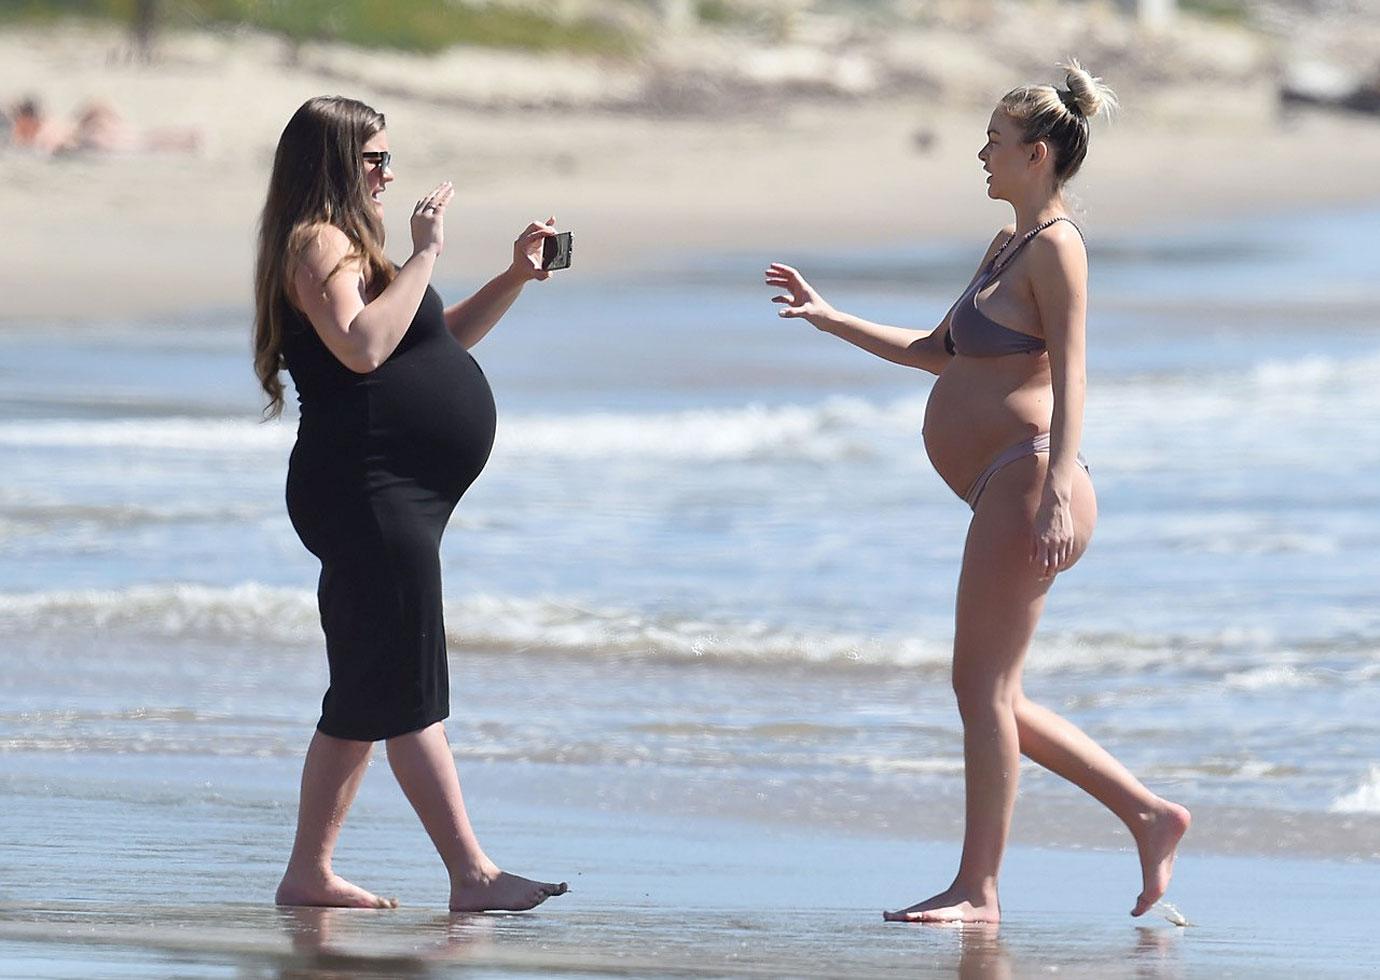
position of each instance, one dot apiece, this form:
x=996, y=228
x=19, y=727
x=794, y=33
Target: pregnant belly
x=431, y=417
x=980, y=406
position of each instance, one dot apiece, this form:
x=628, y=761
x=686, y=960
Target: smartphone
x=555, y=251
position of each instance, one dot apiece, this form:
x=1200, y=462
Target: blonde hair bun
x=1086, y=92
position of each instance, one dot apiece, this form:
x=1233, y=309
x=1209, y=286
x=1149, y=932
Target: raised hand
x=527, y=249
x=800, y=298
x=428, y=218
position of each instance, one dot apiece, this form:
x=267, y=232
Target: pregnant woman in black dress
x=396, y=422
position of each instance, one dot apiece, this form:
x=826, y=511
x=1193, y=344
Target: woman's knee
x=982, y=693
x=1027, y=712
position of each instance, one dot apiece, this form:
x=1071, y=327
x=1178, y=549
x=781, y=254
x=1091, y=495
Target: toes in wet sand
x=503, y=892
x=950, y=907
x=1157, y=845
x=330, y=891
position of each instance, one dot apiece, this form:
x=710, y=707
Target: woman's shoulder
x=1057, y=257
x=318, y=253
x=319, y=242
x=995, y=245
x=1003, y=235
x=1062, y=232
x=1058, y=248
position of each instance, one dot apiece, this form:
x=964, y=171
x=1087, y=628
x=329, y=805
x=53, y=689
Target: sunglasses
x=379, y=158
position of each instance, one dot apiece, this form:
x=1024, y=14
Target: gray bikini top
x=971, y=332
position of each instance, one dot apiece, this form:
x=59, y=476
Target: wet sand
x=126, y=861
x=108, y=885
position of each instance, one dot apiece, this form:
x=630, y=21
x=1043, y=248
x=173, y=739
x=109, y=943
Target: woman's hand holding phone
x=528, y=249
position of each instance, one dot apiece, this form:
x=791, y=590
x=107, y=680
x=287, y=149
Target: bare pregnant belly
x=980, y=406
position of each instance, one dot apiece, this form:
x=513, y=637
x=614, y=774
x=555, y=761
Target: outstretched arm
x=922, y=349
x=1059, y=280
x=470, y=319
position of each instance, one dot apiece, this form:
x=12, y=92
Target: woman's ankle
x=480, y=871
x=308, y=869
x=977, y=889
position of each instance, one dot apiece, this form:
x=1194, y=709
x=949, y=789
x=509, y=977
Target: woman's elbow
x=361, y=351
x=926, y=355
x=366, y=353
x=363, y=361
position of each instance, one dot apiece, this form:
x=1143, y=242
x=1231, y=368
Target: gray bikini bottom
x=1026, y=447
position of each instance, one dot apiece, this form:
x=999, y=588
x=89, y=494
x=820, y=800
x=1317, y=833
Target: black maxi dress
x=380, y=462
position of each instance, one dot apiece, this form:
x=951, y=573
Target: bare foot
x=329, y=890
x=498, y=891
x=1157, y=840
x=953, y=905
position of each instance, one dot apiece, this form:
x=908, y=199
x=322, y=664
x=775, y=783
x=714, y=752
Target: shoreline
x=864, y=805
x=733, y=897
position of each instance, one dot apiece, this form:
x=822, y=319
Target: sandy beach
x=733, y=897
x=162, y=234
x=699, y=606
x=145, y=826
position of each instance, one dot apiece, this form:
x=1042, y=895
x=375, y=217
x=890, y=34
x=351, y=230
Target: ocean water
x=709, y=556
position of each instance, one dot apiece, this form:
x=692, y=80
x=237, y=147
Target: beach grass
x=407, y=25
x=1231, y=11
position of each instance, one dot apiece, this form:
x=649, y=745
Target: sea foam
x=1365, y=798
x=834, y=428
x=254, y=615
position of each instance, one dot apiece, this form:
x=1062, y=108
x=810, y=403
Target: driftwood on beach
x=1363, y=96
x=1331, y=84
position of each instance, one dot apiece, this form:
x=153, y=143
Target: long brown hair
x=318, y=178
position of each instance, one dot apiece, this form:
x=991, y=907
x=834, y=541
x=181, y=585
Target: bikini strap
x=1025, y=240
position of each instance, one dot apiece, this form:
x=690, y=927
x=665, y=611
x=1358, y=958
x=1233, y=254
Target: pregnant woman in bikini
x=1002, y=428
